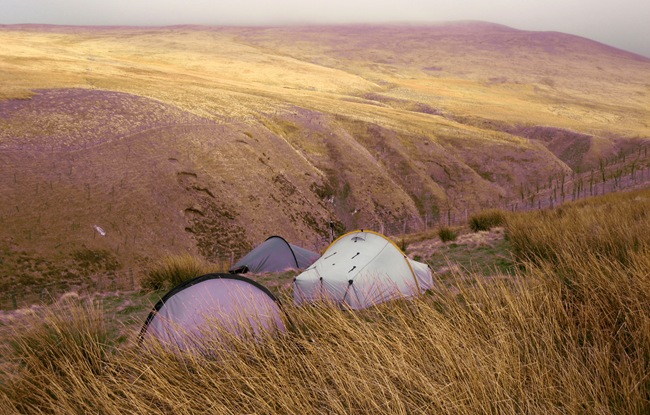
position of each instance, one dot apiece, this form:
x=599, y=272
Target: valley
x=207, y=140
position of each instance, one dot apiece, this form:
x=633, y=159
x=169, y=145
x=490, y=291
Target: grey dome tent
x=274, y=255
x=237, y=304
x=360, y=269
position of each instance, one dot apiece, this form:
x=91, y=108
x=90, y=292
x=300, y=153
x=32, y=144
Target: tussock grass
x=612, y=228
x=173, y=270
x=447, y=234
x=568, y=334
x=595, y=257
x=68, y=344
x=487, y=219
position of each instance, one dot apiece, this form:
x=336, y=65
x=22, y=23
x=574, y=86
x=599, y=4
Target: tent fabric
x=275, y=255
x=360, y=269
x=237, y=304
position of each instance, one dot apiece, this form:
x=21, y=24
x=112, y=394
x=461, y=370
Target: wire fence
x=560, y=191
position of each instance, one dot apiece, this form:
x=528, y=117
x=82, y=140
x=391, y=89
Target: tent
x=213, y=301
x=360, y=269
x=274, y=255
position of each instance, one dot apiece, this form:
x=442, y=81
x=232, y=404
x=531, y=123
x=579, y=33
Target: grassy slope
x=301, y=114
x=565, y=333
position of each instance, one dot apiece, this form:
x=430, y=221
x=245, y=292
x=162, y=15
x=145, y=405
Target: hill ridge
x=279, y=130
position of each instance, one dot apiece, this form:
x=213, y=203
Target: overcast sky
x=621, y=23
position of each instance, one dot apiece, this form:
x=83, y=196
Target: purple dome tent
x=208, y=303
x=275, y=255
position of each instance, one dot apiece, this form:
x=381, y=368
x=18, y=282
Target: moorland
x=124, y=147
x=120, y=145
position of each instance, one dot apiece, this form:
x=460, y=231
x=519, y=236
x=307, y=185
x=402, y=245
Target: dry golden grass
x=569, y=334
x=175, y=269
x=613, y=227
x=487, y=219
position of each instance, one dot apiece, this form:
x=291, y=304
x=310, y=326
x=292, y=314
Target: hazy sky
x=621, y=23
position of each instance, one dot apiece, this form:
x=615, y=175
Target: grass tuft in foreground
x=56, y=352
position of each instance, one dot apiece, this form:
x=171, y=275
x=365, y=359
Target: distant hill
x=210, y=139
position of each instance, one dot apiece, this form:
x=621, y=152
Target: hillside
x=541, y=316
x=208, y=140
